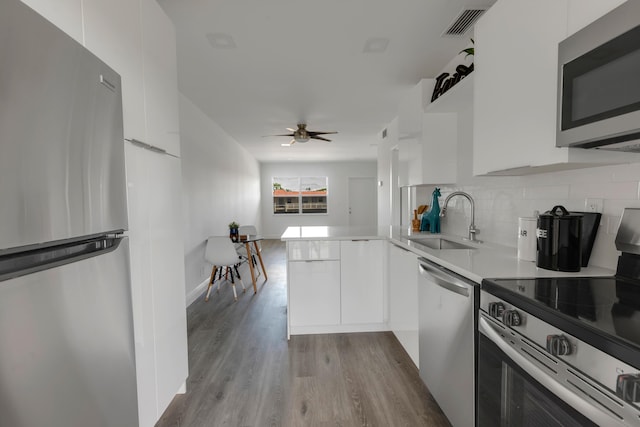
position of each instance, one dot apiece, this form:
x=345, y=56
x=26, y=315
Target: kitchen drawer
x=313, y=250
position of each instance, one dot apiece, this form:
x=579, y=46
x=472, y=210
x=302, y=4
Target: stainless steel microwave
x=599, y=83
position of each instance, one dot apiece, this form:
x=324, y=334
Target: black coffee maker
x=559, y=237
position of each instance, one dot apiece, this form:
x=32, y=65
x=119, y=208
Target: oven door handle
x=587, y=408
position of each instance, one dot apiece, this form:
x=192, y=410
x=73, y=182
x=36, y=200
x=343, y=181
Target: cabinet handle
x=106, y=83
x=144, y=145
x=359, y=240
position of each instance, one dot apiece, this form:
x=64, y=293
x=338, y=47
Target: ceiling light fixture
x=221, y=40
x=376, y=45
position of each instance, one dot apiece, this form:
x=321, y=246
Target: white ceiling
x=304, y=61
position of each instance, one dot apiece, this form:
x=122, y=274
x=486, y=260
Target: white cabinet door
x=583, y=12
x=157, y=279
x=403, y=298
x=515, y=85
x=112, y=32
x=64, y=14
x=160, y=78
x=314, y=293
x=313, y=249
x=167, y=277
x=439, y=148
x=138, y=183
x=362, y=282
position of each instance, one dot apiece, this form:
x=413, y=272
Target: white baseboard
x=338, y=329
x=197, y=292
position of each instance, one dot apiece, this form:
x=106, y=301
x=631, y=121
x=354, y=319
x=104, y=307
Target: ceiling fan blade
x=320, y=138
x=283, y=134
x=312, y=132
x=293, y=141
x=291, y=130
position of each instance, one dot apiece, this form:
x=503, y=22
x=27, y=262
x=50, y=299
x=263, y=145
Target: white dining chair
x=220, y=252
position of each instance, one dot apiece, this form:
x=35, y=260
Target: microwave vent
x=465, y=20
x=630, y=148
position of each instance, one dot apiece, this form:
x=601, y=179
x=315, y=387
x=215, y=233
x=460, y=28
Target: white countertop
x=335, y=233
x=487, y=261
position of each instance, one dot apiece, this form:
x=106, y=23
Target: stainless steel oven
x=563, y=351
x=531, y=373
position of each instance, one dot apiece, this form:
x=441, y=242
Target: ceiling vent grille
x=465, y=20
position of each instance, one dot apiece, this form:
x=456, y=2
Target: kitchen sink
x=440, y=243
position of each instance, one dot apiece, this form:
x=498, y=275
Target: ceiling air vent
x=465, y=20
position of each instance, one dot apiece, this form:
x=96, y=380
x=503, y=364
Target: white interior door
x=363, y=204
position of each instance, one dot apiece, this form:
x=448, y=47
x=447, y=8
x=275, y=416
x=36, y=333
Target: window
x=299, y=195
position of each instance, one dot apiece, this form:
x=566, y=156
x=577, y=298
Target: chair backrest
x=247, y=230
x=220, y=251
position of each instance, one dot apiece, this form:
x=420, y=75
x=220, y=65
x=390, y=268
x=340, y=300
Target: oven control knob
x=496, y=309
x=558, y=345
x=628, y=387
x=511, y=318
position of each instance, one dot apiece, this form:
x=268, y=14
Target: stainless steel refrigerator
x=66, y=325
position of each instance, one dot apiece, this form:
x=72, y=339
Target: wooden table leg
x=253, y=274
x=255, y=245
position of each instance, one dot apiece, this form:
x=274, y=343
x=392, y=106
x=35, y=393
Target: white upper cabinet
x=427, y=141
x=410, y=136
x=583, y=12
x=122, y=50
x=143, y=52
x=64, y=14
x=515, y=86
x=160, y=78
x=439, y=164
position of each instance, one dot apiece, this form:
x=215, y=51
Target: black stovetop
x=601, y=311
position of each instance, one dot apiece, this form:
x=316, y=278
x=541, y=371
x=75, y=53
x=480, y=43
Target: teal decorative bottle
x=431, y=218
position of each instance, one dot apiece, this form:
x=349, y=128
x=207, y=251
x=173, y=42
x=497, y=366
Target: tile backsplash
x=500, y=201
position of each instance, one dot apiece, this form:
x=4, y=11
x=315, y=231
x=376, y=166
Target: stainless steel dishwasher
x=447, y=315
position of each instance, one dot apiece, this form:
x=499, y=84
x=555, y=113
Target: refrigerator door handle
x=39, y=259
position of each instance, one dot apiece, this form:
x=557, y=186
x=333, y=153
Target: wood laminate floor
x=243, y=372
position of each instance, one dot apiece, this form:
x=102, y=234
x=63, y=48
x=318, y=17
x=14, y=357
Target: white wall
x=338, y=173
x=221, y=183
x=501, y=200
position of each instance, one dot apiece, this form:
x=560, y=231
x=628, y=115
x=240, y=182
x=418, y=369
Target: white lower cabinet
x=314, y=294
x=403, y=299
x=362, y=281
x=336, y=286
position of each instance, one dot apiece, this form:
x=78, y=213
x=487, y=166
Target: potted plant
x=469, y=50
x=233, y=231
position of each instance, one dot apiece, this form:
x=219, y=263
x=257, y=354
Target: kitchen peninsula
x=340, y=278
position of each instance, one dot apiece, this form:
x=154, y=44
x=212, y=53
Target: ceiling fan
x=303, y=135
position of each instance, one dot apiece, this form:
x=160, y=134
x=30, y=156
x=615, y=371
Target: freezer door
x=61, y=146
x=67, y=347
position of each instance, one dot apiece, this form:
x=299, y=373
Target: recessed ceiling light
x=221, y=40
x=376, y=45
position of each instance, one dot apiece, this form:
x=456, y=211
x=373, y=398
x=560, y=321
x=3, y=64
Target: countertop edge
x=487, y=261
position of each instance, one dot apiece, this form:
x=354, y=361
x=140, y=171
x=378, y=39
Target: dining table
x=247, y=241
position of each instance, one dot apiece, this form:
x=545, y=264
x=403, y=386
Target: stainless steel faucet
x=472, y=227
